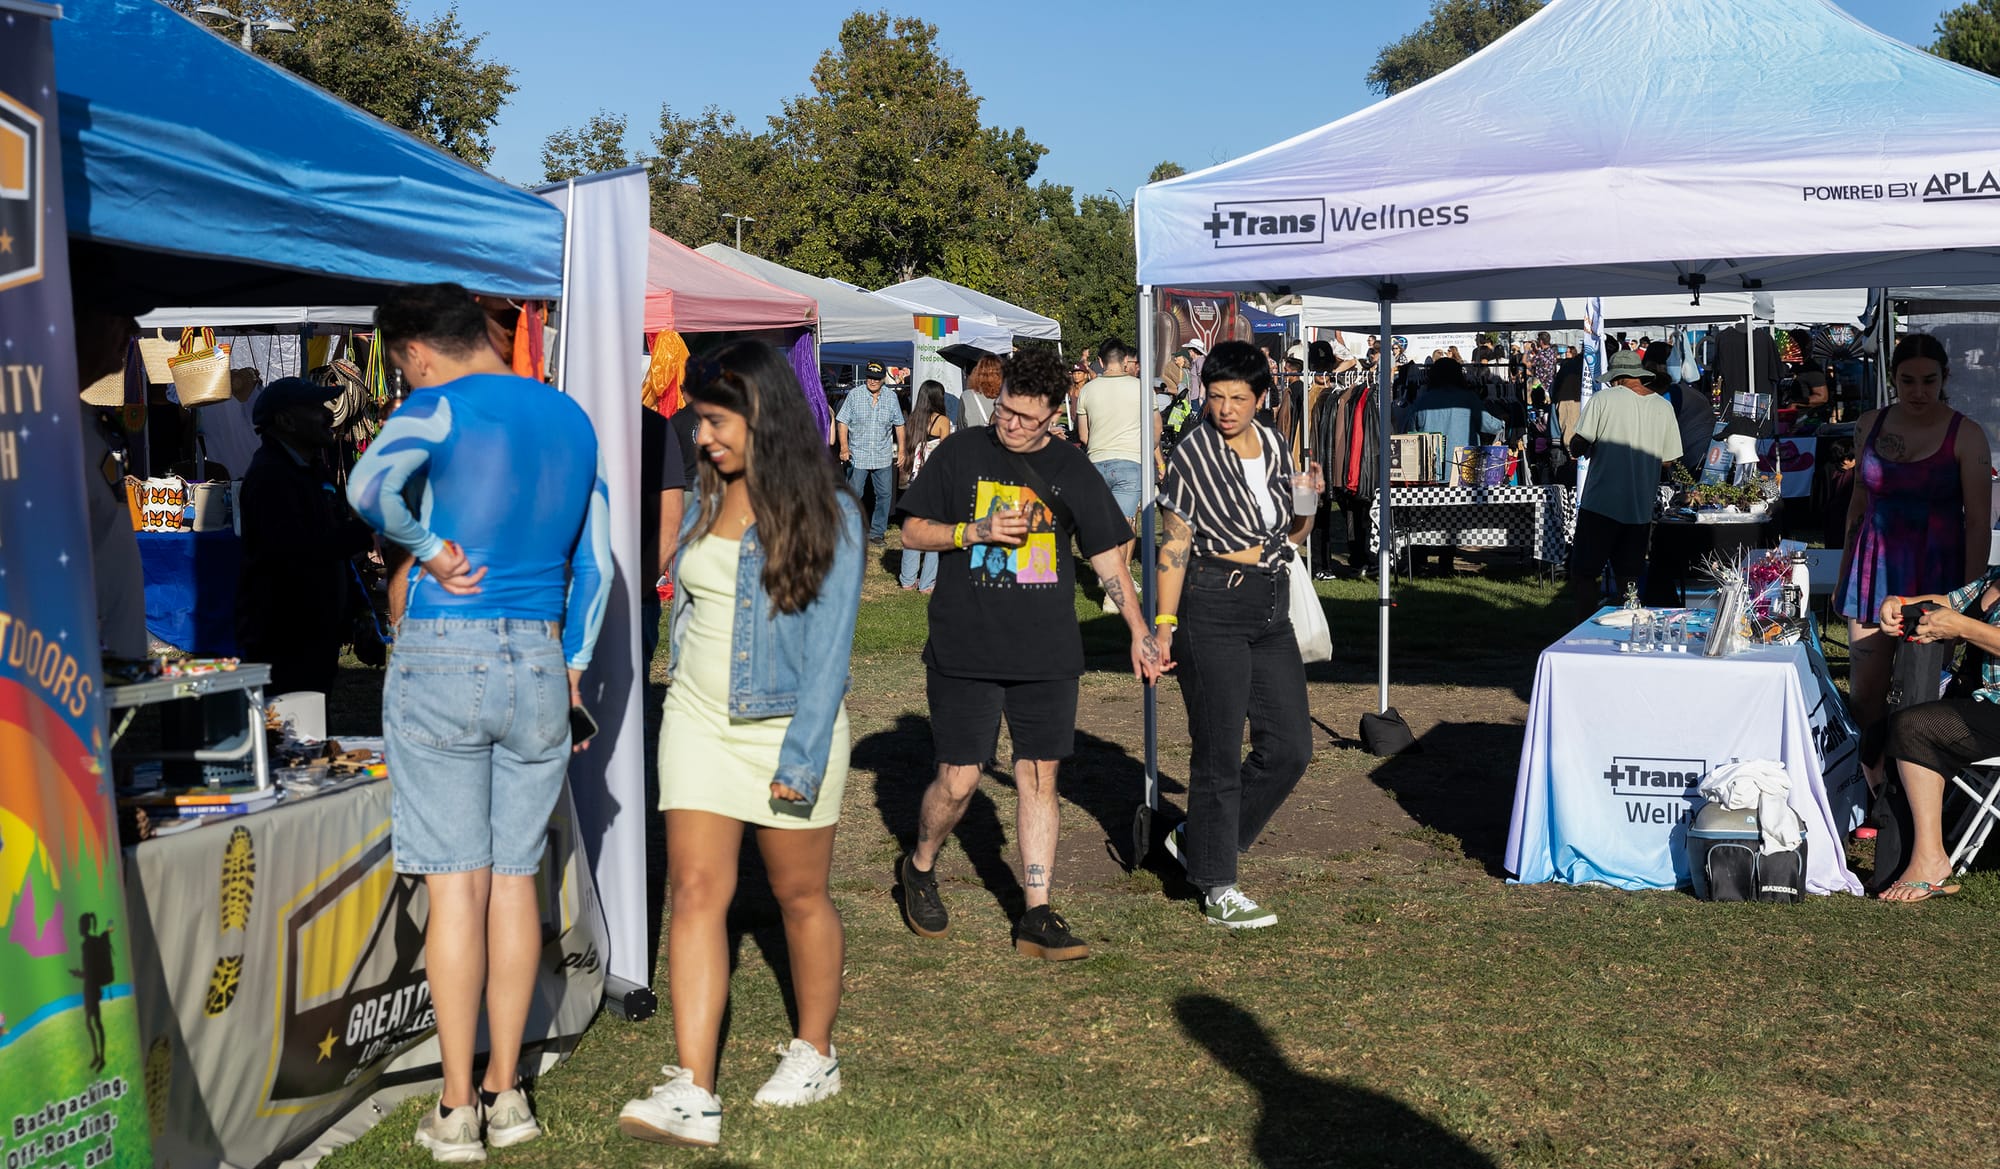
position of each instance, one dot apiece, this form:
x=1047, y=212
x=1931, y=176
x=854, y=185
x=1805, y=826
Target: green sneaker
x=1231, y=908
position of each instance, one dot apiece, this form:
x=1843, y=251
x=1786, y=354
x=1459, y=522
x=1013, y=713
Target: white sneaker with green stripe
x=1231, y=908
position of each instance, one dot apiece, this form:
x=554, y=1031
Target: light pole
x=740, y=221
x=250, y=26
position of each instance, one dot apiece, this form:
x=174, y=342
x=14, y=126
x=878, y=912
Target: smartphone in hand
x=582, y=727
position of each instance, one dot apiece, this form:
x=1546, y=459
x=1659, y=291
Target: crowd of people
x=758, y=523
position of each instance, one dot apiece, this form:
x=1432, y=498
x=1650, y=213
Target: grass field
x=1410, y=1009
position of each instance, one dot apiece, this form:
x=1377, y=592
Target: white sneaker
x=453, y=1138
x=1231, y=908
x=678, y=1112
x=804, y=1076
x=510, y=1121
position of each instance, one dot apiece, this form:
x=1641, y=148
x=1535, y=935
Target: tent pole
x=1385, y=536
x=1148, y=569
x=1885, y=341
x=562, y=322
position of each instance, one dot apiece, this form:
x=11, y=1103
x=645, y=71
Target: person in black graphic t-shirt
x=1002, y=504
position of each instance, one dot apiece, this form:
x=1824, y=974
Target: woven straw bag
x=154, y=353
x=201, y=375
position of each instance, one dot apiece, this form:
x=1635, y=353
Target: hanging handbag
x=200, y=375
x=1308, y=619
x=1683, y=366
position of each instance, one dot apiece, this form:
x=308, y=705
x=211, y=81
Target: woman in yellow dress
x=766, y=586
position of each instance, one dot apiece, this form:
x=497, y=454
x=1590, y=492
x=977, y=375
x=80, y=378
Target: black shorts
x=965, y=718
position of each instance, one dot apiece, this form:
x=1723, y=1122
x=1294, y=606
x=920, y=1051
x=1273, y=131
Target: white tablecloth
x=1479, y=517
x=1617, y=742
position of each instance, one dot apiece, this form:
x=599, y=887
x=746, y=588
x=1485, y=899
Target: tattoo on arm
x=981, y=532
x=1038, y=877
x=1114, y=591
x=1178, y=543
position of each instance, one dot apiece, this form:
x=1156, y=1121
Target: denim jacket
x=788, y=663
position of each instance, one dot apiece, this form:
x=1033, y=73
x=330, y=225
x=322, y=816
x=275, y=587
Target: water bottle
x=1801, y=584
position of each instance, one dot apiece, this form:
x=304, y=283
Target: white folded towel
x=1762, y=785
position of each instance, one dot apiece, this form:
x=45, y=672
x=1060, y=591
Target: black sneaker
x=922, y=907
x=1042, y=933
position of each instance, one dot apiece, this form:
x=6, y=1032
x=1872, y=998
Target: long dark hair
x=792, y=482
x=929, y=404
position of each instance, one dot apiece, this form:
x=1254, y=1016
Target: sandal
x=1929, y=889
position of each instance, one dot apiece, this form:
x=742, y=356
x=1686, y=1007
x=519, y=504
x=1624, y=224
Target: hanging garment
x=661, y=389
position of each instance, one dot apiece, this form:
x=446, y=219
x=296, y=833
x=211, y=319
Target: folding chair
x=1980, y=783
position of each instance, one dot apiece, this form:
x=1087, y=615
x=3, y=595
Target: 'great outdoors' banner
x=70, y=1092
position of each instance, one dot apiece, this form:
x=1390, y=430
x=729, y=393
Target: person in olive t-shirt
x=1002, y=505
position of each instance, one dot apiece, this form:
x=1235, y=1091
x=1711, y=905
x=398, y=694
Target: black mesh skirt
x=1945, y=735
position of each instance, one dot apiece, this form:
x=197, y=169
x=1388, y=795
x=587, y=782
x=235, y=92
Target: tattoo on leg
x=1038, y=877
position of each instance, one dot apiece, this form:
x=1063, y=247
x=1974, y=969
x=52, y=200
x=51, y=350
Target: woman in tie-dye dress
x=1920, y=521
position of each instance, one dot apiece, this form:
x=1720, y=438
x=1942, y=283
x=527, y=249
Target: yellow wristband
x=1166, y=619
x=958, y=536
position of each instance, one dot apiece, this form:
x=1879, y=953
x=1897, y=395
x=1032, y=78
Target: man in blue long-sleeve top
x=494, y=482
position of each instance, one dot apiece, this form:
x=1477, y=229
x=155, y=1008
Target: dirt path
x=1460, y=786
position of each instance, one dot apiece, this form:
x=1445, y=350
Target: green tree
x=1166, y=170
x=884, y=171
x=1455, y=30
x=426, y=77
x=1970, y=35
x=592, y=148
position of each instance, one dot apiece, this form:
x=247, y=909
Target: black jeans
x=1601, y=540
x=1238, y=661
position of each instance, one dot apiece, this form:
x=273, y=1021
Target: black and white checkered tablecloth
x=1534, y=518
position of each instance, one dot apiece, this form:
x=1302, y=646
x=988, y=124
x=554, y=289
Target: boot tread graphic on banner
x=239, y=879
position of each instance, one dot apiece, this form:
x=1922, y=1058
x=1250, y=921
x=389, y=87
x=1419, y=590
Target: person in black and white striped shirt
x=1228, y=518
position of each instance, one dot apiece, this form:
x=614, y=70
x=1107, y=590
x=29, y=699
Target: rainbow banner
x=70, y=1089
x=935, y=328
x=934, y=334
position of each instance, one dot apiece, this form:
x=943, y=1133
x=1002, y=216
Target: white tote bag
x=1308, y=619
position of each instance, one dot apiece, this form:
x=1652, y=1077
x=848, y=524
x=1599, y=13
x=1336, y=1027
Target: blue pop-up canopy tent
x=189, y=192
x=1261, y=321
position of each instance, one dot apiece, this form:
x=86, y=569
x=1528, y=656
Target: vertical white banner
x=603, y=362
x=1592, y=371
x=934, y=334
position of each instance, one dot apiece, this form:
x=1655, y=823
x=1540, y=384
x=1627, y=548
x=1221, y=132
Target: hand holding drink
x=1306, y=488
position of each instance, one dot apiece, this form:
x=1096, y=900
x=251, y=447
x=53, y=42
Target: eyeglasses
x=1019, y=420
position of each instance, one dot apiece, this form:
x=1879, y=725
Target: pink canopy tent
x=689, y=293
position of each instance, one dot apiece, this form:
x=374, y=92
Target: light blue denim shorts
x=476, y=718
x=1122, y=476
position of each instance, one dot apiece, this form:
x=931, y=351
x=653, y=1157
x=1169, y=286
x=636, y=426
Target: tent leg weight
x=629, y=1001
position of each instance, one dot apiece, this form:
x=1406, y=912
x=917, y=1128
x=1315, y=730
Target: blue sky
x=1109, y=86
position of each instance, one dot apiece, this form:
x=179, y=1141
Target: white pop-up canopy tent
x=1610, y=147
x=846, y=316
x=964, y=302
x=1837, y=306
x=1613, y=147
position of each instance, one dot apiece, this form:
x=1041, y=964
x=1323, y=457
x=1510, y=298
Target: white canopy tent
x=1608, y=148
x=846, y=315
x=1452, y=316
x=981, y=335
x=964, y=302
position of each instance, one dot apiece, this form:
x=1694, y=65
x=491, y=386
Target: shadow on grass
x=1454, y=787
x=1309, y=1120
x=902, y=760
x=1101, y=777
